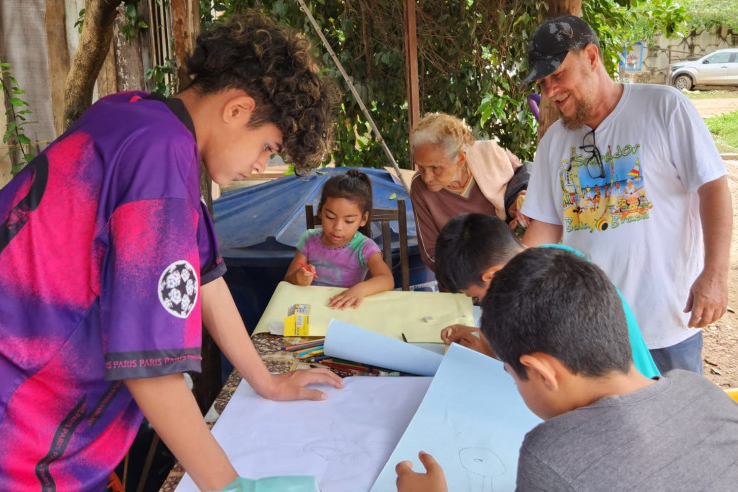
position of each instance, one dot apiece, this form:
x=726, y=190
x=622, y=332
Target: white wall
x=658, y=57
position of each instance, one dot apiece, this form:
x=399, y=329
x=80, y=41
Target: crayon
x=307, y=269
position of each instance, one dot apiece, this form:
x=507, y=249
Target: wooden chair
x=384, y=216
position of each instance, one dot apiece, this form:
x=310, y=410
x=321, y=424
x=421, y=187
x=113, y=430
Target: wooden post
x=411, y=66
x=548, y=112
x=186, y=26
x=58, y=55
x=132, y=56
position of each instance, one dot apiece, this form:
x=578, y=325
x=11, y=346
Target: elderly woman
x=457, y=175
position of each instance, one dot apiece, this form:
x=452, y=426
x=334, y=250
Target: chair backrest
x=384, y=216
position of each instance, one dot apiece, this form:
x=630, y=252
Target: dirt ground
x=719, y=105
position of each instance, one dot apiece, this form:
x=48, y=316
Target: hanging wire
x=356, y=94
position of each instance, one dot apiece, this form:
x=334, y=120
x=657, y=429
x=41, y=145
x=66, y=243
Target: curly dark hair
x=275, y=67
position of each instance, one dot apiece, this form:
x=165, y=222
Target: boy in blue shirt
x=470, y=249
x=557, y=323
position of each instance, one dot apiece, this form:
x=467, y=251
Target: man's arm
x=221, y=317
x=170, y=407
x=542, y=233
x=708, y=296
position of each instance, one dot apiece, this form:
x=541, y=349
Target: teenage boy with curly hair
x=109, y=264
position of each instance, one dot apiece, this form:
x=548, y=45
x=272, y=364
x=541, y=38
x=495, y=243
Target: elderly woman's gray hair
x=443, y=129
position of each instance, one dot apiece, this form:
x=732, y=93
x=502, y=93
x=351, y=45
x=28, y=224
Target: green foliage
x=668, y=17
x=16, y=113
x=472, y=55
x=164, y=77
x=134, y=22
x=724, y=129
x=80, y=22
x=709, y=14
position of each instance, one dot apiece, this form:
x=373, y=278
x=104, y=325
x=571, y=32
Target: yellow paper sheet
x=419, y=315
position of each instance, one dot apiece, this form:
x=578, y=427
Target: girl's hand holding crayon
x=305, y=275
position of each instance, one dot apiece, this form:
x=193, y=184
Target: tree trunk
x=548, y=112
x=94, y=43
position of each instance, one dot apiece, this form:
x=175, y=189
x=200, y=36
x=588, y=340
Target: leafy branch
x=164, y=77
x=16, y=113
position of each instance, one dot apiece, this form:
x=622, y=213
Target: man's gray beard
x=579, y=118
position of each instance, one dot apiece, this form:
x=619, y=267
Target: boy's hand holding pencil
x=468, y=336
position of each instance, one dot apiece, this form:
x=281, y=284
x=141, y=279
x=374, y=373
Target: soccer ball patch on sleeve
x=178, y=288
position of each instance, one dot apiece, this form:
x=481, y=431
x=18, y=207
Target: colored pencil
x=300, y=353
x=311, y=354
x=299, y=346
x=349, y=367
x=307, y=269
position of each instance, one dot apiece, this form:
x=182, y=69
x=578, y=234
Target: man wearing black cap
x=630, y=176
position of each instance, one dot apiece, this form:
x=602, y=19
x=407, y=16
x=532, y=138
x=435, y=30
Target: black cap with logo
x=552, y=41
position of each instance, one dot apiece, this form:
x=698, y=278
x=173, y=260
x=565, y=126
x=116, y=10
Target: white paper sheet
x=472, y=420
x=343, y=441
x=346, y=341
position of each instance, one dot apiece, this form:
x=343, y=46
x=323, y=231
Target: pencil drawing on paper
x=481, y=465
x=348, y=458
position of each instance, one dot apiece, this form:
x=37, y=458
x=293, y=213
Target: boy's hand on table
x=433, y=480
x=468, y=336
x=348, y=298
x=291, y=385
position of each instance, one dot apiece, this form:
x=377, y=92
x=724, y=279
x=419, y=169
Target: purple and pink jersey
x=104, y=243
x=344, y=266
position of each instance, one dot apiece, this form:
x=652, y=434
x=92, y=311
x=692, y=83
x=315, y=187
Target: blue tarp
x=265, y=221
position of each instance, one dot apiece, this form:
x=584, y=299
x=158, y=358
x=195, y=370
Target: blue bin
x=258, y=228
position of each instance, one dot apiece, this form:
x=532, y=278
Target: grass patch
x=724, y=129
x=711, y=94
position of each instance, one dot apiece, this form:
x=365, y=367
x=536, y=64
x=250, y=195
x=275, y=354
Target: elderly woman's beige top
x=492, y=167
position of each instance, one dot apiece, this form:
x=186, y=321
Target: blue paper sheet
x=472, y=420
x=346, y=341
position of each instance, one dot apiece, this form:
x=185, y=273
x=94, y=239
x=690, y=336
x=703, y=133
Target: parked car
x=718, y=68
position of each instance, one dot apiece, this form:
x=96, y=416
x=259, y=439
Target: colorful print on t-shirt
x=603, y=191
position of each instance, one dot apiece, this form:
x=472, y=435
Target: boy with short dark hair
x=470, y=250
x=557, y=323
